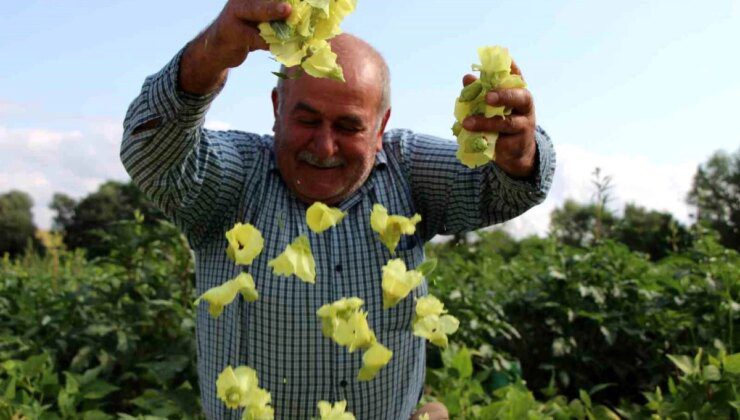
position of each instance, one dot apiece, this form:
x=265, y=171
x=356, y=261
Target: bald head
x=358, y=59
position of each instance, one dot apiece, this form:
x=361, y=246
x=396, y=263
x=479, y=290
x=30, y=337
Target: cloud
x=42, y=161
x=217, y=125
x=635, y=179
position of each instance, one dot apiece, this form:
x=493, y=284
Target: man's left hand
x=515, y=147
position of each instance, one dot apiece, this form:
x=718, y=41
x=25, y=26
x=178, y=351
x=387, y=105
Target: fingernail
x=468, y=123
x=492, y=97
x=282, y=8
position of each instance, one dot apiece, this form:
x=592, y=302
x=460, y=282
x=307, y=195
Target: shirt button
x=343, y=383
x=338, y=267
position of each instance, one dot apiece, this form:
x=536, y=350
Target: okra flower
x=235, y=386
x=258, y=406
x=331, y=313
x=430, y=323
x=354, y=332
x=476, y=149
x=245, y=243
x=397, y=282
x=296, y=259
x=220, y=296
x=327, y=412
x=321, y=217
x=301, y=39
x=373, y=360
x=391, y=227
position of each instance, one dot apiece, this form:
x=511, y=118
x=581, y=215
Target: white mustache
x=312, y=159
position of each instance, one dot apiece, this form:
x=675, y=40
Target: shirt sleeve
x=192, y=174
x=453, y=198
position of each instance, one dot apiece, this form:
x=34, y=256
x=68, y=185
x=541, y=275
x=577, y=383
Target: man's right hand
x=227, y=42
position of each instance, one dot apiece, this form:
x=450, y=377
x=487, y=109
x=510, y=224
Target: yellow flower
x=476, y=148
x=234, y=387
x=258, y=406
x=429, y=305
x=354, y=332
x=288, y=53
x=321, y=217
x=327, y=412
x=493, y=59
x=424, y=416
x=373, y=360
x=296, y=259
x=322, y=62
x=220, y=296
x=430, y=323
x=330, y=313
x=390, y=228
x=435, y=328
x=397, y=282
x=245, y=243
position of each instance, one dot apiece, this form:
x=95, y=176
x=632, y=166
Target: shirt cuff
x=167, y=99
x=539, y=182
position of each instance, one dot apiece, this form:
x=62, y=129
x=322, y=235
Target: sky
x=646, y=91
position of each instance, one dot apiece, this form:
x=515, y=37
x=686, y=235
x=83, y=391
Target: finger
x=512, y=124
x=519, y=100
x=468, y=79
x=262, y=11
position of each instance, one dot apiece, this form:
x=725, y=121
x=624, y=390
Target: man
x=330, y=145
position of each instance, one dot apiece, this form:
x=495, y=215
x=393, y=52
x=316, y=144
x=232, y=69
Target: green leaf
x=711, y=373
x=10, y=389
x=282, y=30
x=284, y=77
x=427, y=267
x=98, y=389
x=96, y=415
x=684, y=363
x=732, y=363
x=463, y=363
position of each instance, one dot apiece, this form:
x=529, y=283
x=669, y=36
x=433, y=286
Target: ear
x=381, y=129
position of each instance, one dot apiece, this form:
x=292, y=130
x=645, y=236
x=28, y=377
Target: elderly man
x=330, y=145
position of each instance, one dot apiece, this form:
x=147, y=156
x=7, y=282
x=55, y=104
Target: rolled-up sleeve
x=453, y=198
x=190, y=173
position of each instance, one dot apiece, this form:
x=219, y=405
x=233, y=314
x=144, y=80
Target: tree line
x=714, y=196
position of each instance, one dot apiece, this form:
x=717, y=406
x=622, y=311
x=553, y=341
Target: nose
x=323, y=143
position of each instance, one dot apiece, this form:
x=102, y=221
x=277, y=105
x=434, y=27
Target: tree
x=112, y=202
x=64, y=206
x=651, y=232
x=715, y=194
x=581, y=225
x=16, y=222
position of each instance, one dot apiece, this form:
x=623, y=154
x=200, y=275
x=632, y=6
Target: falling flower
x=331, y=313
x=337, y=412
x=220, y=296
x=397, y=282
x=321, y=217
x=431, y=323
x=424, y=416
x=391, y=227
x=258, y=406
x=234, y=386
x=245, y=243
x=354, y=332
x=373, y=360
x=296, y=259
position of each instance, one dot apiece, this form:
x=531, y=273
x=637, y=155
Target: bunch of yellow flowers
x=474, y=148
x=302, y=38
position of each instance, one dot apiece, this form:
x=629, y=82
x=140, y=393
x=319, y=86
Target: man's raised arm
x=195, y=175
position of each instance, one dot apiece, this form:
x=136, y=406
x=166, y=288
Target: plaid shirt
x=205, y=181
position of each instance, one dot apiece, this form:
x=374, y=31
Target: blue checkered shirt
x=205, y=181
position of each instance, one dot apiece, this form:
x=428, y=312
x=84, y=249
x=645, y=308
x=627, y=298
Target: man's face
x=327, y=133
